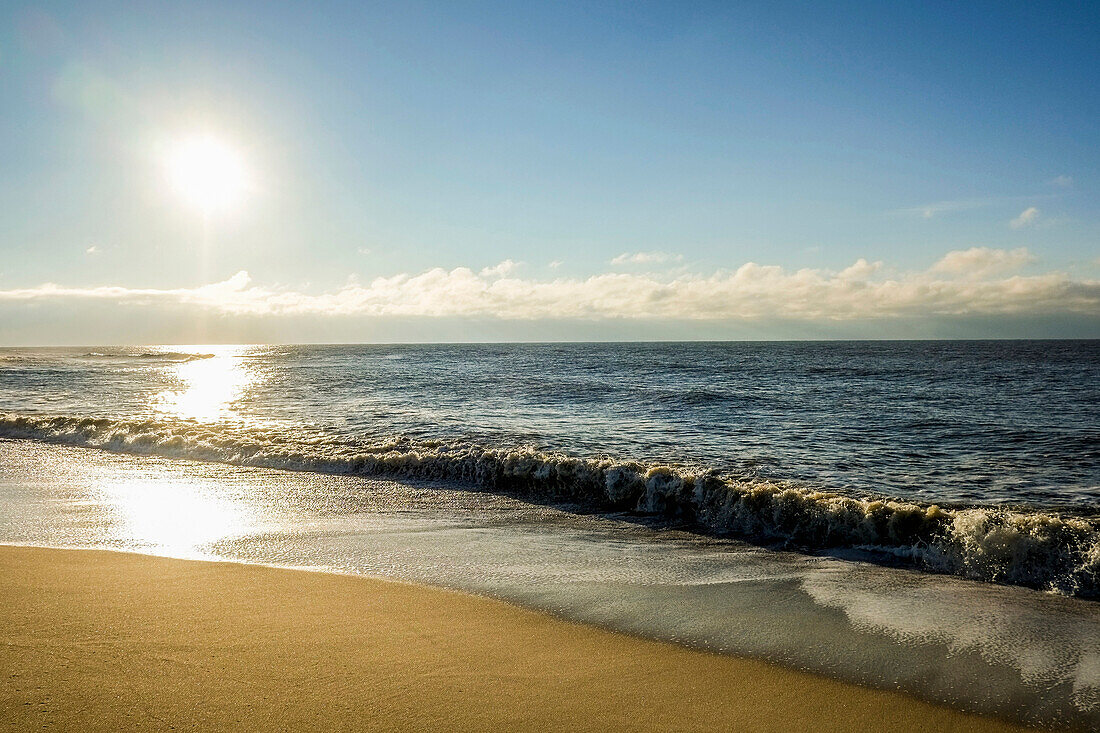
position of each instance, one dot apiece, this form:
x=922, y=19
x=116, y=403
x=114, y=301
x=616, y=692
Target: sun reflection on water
x=184, y=518
x=210, y=379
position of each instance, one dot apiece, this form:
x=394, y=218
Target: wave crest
x=1048, y=551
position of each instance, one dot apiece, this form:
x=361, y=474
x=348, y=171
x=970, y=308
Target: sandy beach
x=97, y=640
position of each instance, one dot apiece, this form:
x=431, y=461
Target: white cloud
x=930, y=211
x=501, y=269
x=645, y=258
x=959, y=284
x=1062, y=181
x=93, y=250
x=861, y=269
x=363, y=250
x=555, y=264
x=982, y=261
x=1027, y=217
x=934, y=210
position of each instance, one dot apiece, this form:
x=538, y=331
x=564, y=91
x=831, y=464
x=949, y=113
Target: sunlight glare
x=207, y=173
x=178, y=519
x=210, y=383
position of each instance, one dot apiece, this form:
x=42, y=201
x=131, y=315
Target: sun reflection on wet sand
x=179, y=519
x=209, y=384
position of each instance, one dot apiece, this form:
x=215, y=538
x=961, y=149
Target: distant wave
x=171, y=356
x=1044, y=550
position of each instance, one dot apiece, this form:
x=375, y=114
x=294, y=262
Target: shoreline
x=1041, y=548
x=107, y=640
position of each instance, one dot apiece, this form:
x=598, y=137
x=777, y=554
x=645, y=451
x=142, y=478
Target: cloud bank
x=965, y=283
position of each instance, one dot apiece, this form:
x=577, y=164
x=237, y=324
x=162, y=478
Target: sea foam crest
x=1041, y=550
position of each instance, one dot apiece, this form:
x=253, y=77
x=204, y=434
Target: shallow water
x=1014, y=652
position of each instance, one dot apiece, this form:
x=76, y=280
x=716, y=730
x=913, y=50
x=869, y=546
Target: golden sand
x=112, y=641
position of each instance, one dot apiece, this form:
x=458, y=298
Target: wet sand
x=97, y=640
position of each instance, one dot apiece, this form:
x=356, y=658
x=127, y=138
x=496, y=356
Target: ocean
x=920, y=515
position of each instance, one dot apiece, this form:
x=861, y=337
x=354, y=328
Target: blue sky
x=638, y=149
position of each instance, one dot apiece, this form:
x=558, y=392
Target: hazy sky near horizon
x=484, y=171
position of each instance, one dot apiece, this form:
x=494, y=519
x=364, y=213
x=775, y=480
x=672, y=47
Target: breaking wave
x=1044, y=550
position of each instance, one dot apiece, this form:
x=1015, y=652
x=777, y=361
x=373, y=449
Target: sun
x=207, y=173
